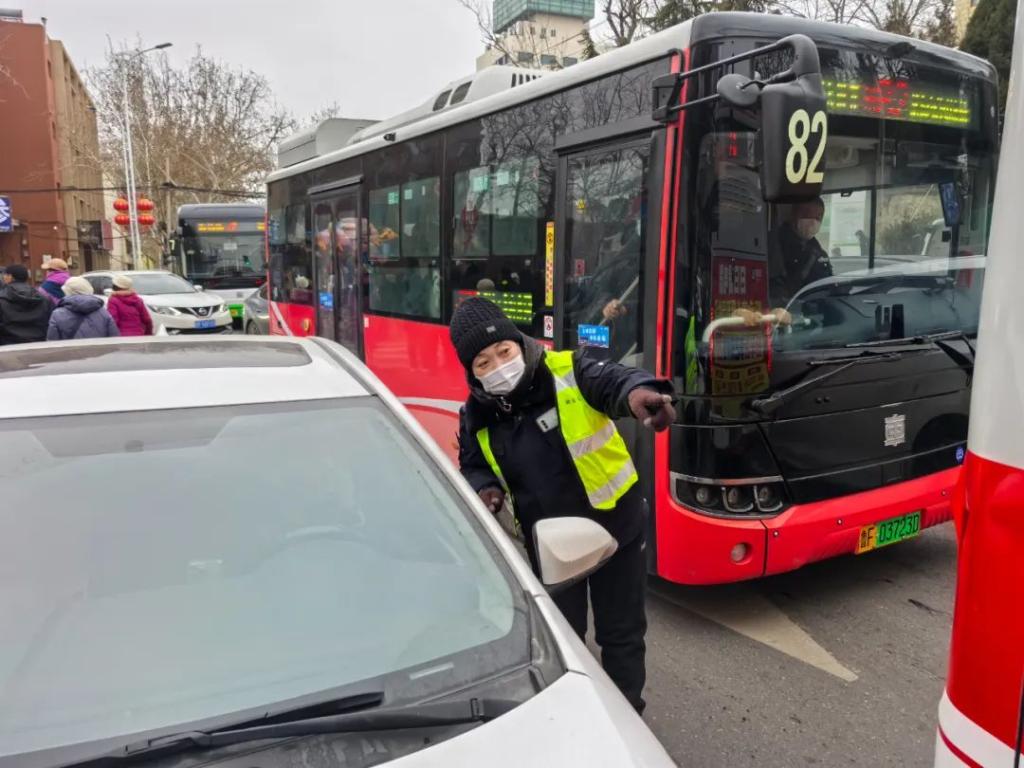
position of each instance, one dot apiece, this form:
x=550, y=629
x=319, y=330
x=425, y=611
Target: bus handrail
x=733, y=321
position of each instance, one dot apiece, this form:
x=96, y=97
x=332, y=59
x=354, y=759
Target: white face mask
x=503, y=379
x=807, y=228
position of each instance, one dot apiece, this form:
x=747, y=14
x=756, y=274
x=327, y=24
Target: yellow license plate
x=891, y=531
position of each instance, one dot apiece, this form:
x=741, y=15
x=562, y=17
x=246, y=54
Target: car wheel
x=252, y=329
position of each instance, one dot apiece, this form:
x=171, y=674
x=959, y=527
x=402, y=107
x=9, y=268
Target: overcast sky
x=374, y=57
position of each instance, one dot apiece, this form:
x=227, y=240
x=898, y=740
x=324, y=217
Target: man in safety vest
x=538, y=426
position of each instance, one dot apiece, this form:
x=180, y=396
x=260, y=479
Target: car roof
x=156, y=373
x=128, y=272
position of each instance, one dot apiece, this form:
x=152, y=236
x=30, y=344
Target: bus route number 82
x=801, y=166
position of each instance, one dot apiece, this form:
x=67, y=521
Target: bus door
x=601, y=239
x=336, y=266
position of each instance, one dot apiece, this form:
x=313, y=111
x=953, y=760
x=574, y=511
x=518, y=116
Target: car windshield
x=202, y=562
x=151, y=285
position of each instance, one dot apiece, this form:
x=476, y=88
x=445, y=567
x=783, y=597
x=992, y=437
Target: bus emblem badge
x=895, y=430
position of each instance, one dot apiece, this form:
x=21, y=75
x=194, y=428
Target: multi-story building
x=50, y=169
x=537, y=34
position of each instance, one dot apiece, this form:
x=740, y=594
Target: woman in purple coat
x=80, y=314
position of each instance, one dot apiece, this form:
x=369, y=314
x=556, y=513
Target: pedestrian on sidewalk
x=80, y=314
x=56, y=275
x=514, y=439
x=24, y=312
x=128, y=310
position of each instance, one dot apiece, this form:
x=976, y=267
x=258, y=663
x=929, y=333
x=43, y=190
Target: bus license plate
x=206, y=323
x=888, y=532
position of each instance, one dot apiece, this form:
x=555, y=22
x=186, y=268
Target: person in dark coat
x=128, y=310
x=80, y=314
x=797, y=257
x=512, y=441
x=56, y=275
x=24, y=313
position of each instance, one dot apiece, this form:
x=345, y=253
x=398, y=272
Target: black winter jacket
x=536, y=462
x=24, y=314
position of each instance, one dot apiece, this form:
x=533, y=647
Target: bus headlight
x=756, y=497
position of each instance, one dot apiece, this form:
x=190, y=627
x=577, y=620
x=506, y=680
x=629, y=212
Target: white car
x=244, y=549
x=173, y=302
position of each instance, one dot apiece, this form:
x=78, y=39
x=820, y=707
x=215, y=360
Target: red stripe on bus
x=960, y=755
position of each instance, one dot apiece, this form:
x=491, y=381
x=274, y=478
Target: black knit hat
x=17, y=272
x=477, y=324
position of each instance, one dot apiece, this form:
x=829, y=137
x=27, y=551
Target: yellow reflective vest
x=597, y=449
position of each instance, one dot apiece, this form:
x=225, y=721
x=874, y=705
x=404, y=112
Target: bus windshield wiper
x=940, y=340
x=768, y=405
x=429, y=715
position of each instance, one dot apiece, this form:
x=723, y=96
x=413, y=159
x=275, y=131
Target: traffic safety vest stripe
x=597, y=449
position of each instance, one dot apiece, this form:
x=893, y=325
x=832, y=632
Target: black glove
x=652, y=408
x=493, y=498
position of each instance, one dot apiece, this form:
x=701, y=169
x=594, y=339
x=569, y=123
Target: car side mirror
x=570, y=549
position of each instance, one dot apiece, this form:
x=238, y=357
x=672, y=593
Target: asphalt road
x=840, y=663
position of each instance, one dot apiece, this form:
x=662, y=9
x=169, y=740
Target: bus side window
x=404, y=216
x=295, y=285
x=498, y=214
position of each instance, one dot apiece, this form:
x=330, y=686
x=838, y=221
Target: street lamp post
x=129, y=157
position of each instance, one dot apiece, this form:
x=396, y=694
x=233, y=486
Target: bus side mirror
x=790, y=106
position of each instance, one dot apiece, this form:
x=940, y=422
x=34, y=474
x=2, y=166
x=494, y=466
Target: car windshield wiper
x=430, y=715
x=768, y=405
x=940, y=340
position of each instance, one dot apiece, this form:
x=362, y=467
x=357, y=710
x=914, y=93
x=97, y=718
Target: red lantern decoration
x=147, y=219
x=121, y=205
x=144, y=205
x=122, y=219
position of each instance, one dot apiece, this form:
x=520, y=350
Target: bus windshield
x=893, y=248
x=223, y=253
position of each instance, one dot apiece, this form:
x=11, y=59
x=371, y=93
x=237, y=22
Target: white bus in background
x=220, y=246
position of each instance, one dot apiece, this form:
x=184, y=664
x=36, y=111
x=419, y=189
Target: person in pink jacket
x=128, y=310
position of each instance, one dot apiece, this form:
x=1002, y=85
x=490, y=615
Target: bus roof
x=221, y=211
x=704, y=27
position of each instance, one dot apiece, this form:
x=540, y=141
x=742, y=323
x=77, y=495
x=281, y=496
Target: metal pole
x=126, y=152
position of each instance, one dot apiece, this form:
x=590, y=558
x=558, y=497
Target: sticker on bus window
x=594, y=336
x=326, y=300
x=392, y=198
x=408, y=193
x=549, y=327
x=481, y=182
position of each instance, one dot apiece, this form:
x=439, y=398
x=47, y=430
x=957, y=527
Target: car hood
x=181, y=300
x=575, y=722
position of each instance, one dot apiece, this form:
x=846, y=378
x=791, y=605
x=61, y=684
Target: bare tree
x=902, y=17
x=627, y=19
x=324, y=113
x=202, y=133
x=835, y=11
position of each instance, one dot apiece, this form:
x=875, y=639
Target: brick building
x=48, y=143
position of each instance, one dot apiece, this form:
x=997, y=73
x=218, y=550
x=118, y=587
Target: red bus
x=621, y=205
x=981, y=716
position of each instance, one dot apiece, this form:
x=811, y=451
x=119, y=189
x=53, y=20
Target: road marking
x=758, y=618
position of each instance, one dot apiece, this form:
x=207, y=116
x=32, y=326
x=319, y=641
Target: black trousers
x=617, y=591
